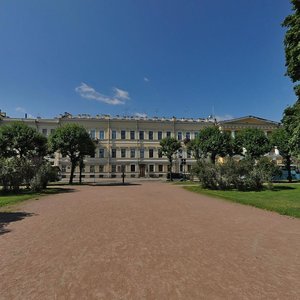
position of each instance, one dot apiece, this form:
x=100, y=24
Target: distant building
x=133, y=142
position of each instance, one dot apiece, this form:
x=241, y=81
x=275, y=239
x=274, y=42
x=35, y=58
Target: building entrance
x=142, y=170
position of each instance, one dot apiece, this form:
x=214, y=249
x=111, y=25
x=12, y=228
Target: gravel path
x=147, y=241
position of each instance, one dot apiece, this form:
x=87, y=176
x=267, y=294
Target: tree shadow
x=49, y=191
x=282, y=188
x=9, y=217
x=58, y=190
x=114, y=184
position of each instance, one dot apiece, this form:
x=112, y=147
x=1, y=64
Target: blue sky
x=161, y=57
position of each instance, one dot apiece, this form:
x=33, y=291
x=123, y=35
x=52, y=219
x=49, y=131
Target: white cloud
x=146, y=79
x=88, y=92
x=223, y=118
x=121, y=94
x=140, y=115
x=23, y=111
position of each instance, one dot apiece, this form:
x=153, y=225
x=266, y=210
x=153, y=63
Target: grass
x=186, y=182
x=14, y=198
x=283, y=199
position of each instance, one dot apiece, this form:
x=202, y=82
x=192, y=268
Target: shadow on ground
x=282, y=188
x=58, y=190
x=114, y=184
x=9, y=217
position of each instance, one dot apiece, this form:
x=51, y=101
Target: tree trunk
x=73, y=165
x=80, y=174
x=81, y=165
x=213, y=158
x=288, y=166
x=170, y=169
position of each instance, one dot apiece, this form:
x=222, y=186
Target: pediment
x=251, y=120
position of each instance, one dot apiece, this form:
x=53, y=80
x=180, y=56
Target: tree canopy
x=212, y=142
x=169, y=147
x=19, y=140
x=280, y=139
x=72, y=140
x=291, y=122
x=254, y=141
x=291, y=43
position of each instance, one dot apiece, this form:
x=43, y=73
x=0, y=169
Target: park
x=199, y=201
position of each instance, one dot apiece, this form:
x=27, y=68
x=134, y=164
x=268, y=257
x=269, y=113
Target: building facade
x=131, y=144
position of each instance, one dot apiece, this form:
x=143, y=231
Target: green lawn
x=12, y=198
x=284, y=198
x=187, y=182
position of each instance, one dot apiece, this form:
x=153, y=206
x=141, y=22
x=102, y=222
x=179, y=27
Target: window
x=113, y=168
x=181, y=168
x=123, y=153
x=151, y=153
x=113, y=135
x=101, y=153
x=151, y=168
x=113, y=153
x=160, y=168
x=179, y=136
x=132, y=135
x=93, y=134
x=132, y=153
x=168, y=134
x=52, y=131
x=159, y=135
x=142, y=153
x=141, y=135
x=132, y=168
x=123, y=134
x=160, y=155
x=196, y=134
x=188, y=153
x=101, y=135
x=44, y=131
x=101, y=168
x=188, y=135
x=63, y=168
x=151, y=135
x=92, y=169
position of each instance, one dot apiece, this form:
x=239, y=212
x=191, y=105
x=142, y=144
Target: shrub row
x=247, y=174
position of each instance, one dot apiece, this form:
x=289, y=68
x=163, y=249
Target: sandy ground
x=146, y=241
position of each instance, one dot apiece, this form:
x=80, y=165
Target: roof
x=243, y=119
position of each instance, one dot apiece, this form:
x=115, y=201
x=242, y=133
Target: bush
x=206, y=173
x=11, y=174
x=42, y=177
x=246, y=174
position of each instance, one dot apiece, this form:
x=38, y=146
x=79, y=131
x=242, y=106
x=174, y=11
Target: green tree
x=291, y=122
x=90, y=149
x=169, y=147
x=212, y=142
x=254, y=141
x=280, y=139
x=291, y=43
x=291, y=118
x=194, y=147
x=19, y=140
x=71, y=140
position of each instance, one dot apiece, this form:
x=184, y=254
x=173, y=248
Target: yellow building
x=133, y=142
